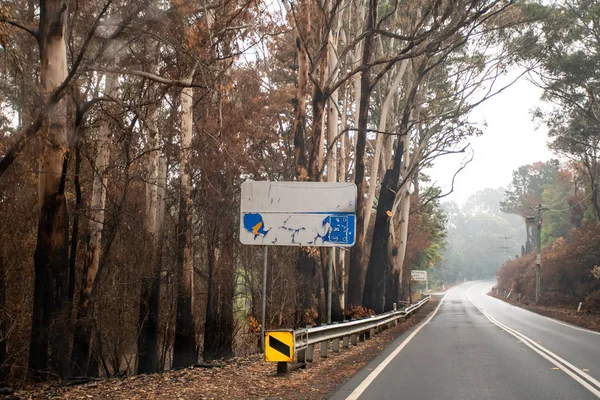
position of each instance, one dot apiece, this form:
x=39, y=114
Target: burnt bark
x=75, y=231
x=148, y=335
x=379, y=263
x=392, y=285
x=218, y=329
x=3, y=324
x=356, y=270
x=50, y=298
x=184, y=348
x=185, y=334
x=48, y=347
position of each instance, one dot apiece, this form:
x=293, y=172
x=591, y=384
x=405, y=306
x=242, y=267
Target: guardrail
x=349, y=332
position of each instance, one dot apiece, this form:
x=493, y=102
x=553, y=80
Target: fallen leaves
x=240, y=378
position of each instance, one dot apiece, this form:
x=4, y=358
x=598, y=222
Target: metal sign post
x=264, y=300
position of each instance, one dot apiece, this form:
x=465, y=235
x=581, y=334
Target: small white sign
x=538, y=259
x=298, y=213
x=420, y=276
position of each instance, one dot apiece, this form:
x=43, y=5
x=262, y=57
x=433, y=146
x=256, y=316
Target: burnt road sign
x=279, y=345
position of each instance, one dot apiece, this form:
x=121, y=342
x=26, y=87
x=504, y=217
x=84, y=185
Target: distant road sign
x=298, y=213
x=420, y=276
x=279, y=345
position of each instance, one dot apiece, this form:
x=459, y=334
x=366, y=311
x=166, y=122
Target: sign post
x=264, y=300
x=319, y=214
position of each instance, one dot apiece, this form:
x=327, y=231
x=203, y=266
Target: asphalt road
x=478, y=347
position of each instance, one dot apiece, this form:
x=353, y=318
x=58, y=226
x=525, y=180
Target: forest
x=569, y=236
x=128, y=127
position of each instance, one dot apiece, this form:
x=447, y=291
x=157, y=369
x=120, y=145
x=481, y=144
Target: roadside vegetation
x=561, y=48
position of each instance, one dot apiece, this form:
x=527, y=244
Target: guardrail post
x=354, y=340
x=309, y=353
x=301, y=358
x=336, y=345
x=324, y=349
x=346, y=342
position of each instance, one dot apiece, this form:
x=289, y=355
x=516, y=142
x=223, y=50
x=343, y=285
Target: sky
x=510, y=139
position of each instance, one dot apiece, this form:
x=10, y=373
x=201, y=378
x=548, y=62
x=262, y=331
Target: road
x=479, y=347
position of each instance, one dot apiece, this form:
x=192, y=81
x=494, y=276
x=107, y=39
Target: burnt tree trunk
x=219, y=326
x=392, y=285
x=184, y=347
x=82, y=332
x=355, y=273
x=75, y=231
x=48, y=347
x=3, y=324
x=380, y=266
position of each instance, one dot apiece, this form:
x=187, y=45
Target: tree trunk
x=399, y=266
x=219, y=326
x=48, y=347
x=75, y=231
x=148, y=316
x=355, y=278
x=341, y=261
x=184, y=348
x=83, y=328
x=3, y=324
x=385, y=109
x=332, y=161
x=381, y=249
x=301, y=94
x=392, y=282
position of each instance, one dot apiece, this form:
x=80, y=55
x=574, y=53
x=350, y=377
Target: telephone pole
x=505, y=247
x=538, y=260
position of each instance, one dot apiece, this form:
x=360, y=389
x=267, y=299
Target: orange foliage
x=566, y=271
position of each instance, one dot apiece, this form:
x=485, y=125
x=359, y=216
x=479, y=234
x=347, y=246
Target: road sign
x=298, y=213
x=420, y=276
x=279, y=345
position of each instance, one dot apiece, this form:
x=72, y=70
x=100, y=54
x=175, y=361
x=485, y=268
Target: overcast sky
x=509, y=141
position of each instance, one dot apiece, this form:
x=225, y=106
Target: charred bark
x=219, y=326
x=75, y=231
x=51, y=257
x=356, y=270
x=185, y=335
x=3, y=324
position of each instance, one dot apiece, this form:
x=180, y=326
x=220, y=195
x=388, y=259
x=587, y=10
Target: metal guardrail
x=349, y=332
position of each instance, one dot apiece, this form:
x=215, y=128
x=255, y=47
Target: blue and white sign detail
x=298, y=213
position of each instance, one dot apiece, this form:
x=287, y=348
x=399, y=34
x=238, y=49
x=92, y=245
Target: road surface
x=479, y=347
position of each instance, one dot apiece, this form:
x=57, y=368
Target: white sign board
x=538, y=259
x=420, y=276
x=298, y=213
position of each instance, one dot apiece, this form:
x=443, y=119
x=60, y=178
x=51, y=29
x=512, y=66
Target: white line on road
x=543, y=316
x=371, y=377
x=564, y=365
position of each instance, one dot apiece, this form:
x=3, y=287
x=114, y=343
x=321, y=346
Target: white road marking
x=543, y=316
x=371, y=377
x=564, y=365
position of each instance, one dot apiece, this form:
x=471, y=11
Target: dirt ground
x=240, y=378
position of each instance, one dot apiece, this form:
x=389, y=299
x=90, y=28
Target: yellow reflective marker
x=586, y=370
x=556, y=369
x=279, y=345
x=518, y=341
